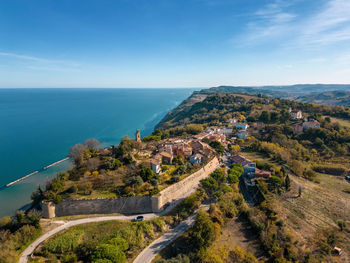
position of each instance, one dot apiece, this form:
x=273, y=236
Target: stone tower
x=138, y=136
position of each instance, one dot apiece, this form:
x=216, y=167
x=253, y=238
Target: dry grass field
x=320, y=206
x=238, y=232
x=342, y=122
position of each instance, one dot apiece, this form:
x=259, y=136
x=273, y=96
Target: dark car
x=138, y=218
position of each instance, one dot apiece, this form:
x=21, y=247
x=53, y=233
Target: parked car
x=138, y=218
x=347, y=177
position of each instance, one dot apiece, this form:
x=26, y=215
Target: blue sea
x=38, y=126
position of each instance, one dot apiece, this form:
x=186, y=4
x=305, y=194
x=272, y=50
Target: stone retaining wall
x=131, y=205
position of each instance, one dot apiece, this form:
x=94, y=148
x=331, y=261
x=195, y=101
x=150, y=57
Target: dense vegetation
x=316, y=150
x=16, y=234
x=119, y=171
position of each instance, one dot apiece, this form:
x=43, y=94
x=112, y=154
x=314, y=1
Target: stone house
x=166, y=148
x=183, y=149
x=262, y=174
x=311, y=124
x=216, y=137
x=197, y=146
x=248, y=165
x=167, y=158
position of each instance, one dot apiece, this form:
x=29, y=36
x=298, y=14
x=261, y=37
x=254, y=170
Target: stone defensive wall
x=186, y=186
x=131, y=205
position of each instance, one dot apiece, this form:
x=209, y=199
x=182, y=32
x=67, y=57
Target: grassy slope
x=103, y=231
x=321, y=205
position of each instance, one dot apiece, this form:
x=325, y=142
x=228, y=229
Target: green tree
x=146, y=174
x=232, y=179
x=265, y=116
x=203, y=233
x=210, y=185
x=110, y=252
x=275, y=182
x=287, y=183
x=219, y=176
x=217, y=146
x=119, y=242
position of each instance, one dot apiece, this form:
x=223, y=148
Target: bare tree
x=92, y=164
x=91, y=143
x=77, y=152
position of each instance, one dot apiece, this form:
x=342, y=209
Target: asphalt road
x=148, y=254
x=30, y=249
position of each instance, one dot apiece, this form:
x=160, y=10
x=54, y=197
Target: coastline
x=43, y=134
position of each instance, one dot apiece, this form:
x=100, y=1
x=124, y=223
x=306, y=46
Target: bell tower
x=138, y=136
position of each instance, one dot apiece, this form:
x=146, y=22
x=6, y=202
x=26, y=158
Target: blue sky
x=173, y=43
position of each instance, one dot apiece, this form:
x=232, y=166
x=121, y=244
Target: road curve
x=148, y=254
x=30, y=249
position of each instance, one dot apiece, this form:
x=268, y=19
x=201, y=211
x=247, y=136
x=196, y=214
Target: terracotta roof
x=155, y=162
x=240, y=160
x=260, y=173
x=165, y=154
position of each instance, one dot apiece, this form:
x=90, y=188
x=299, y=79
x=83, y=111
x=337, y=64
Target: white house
x=242, y=134
x=196, y=158
x=296, y=114
x=155, y=164
x=226, y=131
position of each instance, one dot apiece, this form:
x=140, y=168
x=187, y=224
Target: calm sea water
x=37, y=127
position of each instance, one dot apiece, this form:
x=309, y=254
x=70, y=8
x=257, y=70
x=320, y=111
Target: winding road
x=30, y=249
x=148, y=254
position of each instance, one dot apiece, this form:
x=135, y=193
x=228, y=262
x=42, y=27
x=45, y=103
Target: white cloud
x=33, y=62
x=328, y=25
x=269, y=22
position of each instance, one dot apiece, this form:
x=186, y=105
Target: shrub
x=102, y=261
x=119, y=242
x=151, y=138
x=328, y=169
x=310, y=175
x=72, y=189
x=204, y=231
x=232, y=179
x=69, y=258
x=110, y=252
x=64, y=243
x=239, y=255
